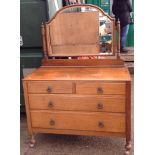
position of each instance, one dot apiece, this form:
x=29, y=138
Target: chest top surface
x=80, y=73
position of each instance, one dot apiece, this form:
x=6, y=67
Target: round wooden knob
x=100, y=105
x=99, y=90
x=49, y=89
x=52, y=122
x=50, y=104
x=100, y=124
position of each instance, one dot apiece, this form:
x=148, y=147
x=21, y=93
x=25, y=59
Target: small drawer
x=50, y=87
x=108, y=103
x=93, y=121
x=100, y=88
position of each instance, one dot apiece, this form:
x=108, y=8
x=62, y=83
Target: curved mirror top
x=81, y=30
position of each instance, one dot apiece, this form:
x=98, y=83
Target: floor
x=48, y=144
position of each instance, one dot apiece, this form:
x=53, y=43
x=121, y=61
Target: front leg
x=32, y=141
x=128, y=119
x=128, y=147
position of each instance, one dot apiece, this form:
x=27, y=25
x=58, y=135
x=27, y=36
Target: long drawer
x=89, y=121
x=50, y=87
x=109, y=103
x=100, y=88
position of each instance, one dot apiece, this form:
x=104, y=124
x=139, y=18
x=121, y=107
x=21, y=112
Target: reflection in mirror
x=105, y=31
x=105, y=28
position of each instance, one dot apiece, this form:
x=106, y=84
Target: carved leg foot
x=128, y=147
x=32, y=142
x=127, y=153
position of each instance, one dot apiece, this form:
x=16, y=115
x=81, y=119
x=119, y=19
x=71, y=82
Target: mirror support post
x=44, y=41
x=118, y=40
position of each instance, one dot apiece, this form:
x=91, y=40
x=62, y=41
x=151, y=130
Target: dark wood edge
x=27, y=108
x=128, y=111
x=83, y=62
x=82, y=55
x=78, y=132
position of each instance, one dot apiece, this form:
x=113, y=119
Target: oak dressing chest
x=82, y=87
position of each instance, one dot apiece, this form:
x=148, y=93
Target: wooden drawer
x=94, y=121
x=100, y=88
x=109, y=103
x=49, y=87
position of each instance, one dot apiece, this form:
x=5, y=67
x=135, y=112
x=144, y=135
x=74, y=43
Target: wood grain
x=70, y=28
x=78, y=73
x=74, y=49
x=67, y=33
x=56, y=87
x=68, y=102
x=48, y=39
x=79, y=120
x=108, y=63
x=84, y=87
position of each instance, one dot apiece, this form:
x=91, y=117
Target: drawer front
x=93, y=121
x=100, y=88
x=109, y=103
x=50, y=87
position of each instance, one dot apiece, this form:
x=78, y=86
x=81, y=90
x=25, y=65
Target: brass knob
x=50, y=104
x=99, y=90
x=100, y=124
x=52, y=122
x=49, y=89
x=100, y=105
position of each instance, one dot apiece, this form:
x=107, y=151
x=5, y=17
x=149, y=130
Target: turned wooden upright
x=79, y=96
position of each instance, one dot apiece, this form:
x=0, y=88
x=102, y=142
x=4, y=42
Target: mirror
x=105, y=31
x=80, y=30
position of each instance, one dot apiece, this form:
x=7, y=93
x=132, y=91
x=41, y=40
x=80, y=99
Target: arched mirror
x=79, y=30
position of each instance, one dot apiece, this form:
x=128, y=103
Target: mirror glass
x=105, y=34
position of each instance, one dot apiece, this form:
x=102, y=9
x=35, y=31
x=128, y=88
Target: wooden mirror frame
x=45, y=37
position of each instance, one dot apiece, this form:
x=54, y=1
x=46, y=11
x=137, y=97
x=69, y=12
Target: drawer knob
x=52, y=122
x=99, y=90
x=100, y=124
x=50, y=104
x=100, y=105
x=49, y=89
